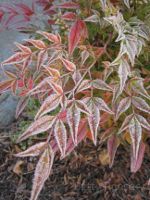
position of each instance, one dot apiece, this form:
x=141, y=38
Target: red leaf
x=70, y=16
x=69, y=5
x=112, y=145
x=77, y=31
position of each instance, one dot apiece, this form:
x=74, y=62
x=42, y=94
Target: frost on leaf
x=42, y=124
x=49, y=104
x=42, y=172
x=34, y=150
x=61, y=136
x=73, y=119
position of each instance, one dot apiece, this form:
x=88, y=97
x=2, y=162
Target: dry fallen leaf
x=17, y=168
x=104, y=157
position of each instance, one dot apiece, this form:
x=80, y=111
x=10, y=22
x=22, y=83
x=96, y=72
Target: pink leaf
x=70, y=16
x=69, y=65
x=123, y=105
x=136, y=135
x=77, y=31
x=34, y=150
x=61, y=136
x=37, y=43
x=42, y=172
x=42, y=57
x=23, y=48
x=40, y=125
x=16, y=58
x=112, y=145
x=51, y=37
x=49, y=104
x=136, y=163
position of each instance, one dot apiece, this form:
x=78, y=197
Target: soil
x=80, y=176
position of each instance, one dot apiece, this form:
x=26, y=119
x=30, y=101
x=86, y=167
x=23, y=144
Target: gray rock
x=8, y=105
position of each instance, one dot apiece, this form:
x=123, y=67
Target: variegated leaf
x=100, y=103
x=4, y=85
x=123, y=72
x=76, y=76
x=138, y=87
x=42, y=57
x=112, y=145
x=81, y=135
x=73, y=119
x=101, y=85
x=127, y=3
x=125, y=123
x=135, y=130
x=85, y=84
x=69, y=16
x=49, y=104
x=42, y=172
x=144, y=123
x=16, y=58
x=42, y=124
x=123, y=105
x=23, y=48
x=136, y=163
x=21, y=105
x=69, y=65
x=50, y=36
x=140, y=104
x=34, y=150
x=84, y=56
x=94, y=120
x=39, y=44
x=61, y=136
x=77, y=31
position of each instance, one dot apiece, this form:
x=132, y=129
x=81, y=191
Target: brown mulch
x=80, y=176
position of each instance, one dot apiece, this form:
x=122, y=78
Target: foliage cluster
x=87, y=74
